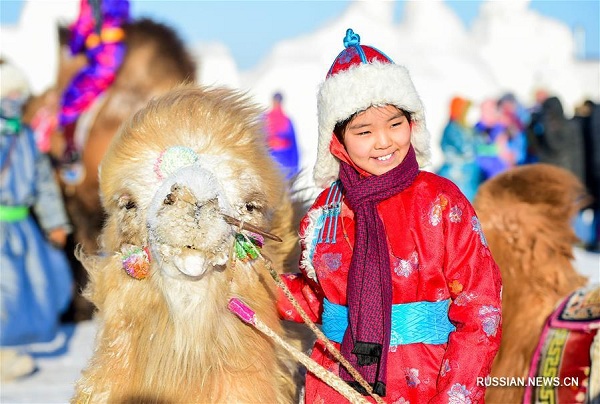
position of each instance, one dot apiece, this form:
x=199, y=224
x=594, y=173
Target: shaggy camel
x=156, y=61
x=170, y=182
x=526, y=216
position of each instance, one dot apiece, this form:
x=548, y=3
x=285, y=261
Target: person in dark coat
x=588, y=115
x=559, y=141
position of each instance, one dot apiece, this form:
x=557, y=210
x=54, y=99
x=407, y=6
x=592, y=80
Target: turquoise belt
x=13, y=213
x=425, y=322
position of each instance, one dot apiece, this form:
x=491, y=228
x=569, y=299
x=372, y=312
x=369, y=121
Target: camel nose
x=185, y=196
x=180, y=193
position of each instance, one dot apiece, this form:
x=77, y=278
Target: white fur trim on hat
x=356, y=89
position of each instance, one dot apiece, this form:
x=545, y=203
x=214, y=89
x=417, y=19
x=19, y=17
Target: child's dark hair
x=340, y=127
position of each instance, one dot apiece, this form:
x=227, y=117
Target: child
x=35, y=279
x=394, y=264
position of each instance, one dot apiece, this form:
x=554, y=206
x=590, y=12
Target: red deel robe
x=437, y=252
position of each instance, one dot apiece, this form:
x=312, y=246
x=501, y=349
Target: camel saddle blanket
x=565, y=367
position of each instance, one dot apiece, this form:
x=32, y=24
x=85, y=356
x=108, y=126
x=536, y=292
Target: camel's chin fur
x=190, y=260
x=526, y=217
x=189, y=263
x=169, y=338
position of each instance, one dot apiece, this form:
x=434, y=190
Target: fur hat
x=14, y=90
x=12, y=81
x=362, y=76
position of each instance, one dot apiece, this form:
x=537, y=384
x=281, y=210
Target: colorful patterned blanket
x=565, y=367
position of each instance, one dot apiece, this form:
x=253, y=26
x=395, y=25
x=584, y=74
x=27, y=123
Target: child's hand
x=58, y=237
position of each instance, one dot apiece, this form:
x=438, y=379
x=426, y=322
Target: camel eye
x=127, y=202
x=253, y=203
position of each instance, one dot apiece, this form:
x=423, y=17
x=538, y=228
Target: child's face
x=378, y=139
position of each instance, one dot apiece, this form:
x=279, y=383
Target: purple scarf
x=369, y=291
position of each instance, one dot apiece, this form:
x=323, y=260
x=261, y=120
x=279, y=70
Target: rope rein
x=330, y=347
x=247, y=315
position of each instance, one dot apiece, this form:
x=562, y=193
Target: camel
x=156, y=61
x=180, y=183
x=526, y=216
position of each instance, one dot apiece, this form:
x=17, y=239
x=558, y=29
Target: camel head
x=179, y=180
x=191, y=197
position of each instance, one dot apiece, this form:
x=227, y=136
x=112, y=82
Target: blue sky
x=250, y=28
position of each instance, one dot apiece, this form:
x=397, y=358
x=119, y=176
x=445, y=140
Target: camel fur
x=526, y=216
x=156, y=60
x=168, y=176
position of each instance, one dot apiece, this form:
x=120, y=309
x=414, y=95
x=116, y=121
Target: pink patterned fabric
x=104, y=57
x=437, y=252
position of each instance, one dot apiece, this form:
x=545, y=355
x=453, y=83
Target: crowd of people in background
x=508, y=134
